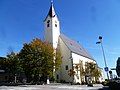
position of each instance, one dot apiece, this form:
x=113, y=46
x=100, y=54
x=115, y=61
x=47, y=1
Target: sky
x=81, y=20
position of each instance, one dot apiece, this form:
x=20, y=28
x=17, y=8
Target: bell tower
x=52, y=27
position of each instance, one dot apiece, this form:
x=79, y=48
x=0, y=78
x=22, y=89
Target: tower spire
x=51, y=12
x=52, y=27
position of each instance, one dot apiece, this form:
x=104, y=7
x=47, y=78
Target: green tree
x=71, y=72
x=37, y=60
x=92, y=70
x=2, y=63
x=12, y=65
x=58, y=59
x=79, y=67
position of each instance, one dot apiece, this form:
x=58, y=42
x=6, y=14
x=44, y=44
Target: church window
x=66, y=67
x=57, y=76
x=48, y=23
x=55, y=25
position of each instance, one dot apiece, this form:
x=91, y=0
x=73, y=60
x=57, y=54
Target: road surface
x=53, y=87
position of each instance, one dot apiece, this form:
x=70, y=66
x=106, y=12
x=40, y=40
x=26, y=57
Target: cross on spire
x=52, y=11
x=51, y=1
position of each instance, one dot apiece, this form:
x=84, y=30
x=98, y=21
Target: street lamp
x=106, y=68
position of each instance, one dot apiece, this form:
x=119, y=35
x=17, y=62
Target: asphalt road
x=53, y=87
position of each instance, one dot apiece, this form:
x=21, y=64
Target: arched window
x=48, y=23
x=55, y=23
x=57, y=76
x=66, y=67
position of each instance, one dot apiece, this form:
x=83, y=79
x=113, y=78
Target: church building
x=72, y=52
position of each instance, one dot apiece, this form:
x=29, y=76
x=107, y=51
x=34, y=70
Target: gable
x=75, y=47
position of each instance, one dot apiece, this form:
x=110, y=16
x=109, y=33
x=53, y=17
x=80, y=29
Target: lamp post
x=106, y=68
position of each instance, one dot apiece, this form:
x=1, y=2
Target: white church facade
x=72, y=52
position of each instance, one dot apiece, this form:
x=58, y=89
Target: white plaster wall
x=52, y=33
x=76, y=60
x=66, y=60
x=48, y=31
x=56, y=31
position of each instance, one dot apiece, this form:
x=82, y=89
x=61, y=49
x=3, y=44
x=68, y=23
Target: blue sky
x=81, y=20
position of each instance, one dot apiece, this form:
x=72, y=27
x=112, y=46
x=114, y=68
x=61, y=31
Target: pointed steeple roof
x=51, y=12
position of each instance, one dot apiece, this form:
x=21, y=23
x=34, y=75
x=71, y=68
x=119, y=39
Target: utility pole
x=106, y=68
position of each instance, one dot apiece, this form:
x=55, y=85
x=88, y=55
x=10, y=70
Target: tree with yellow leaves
x=37, y=59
